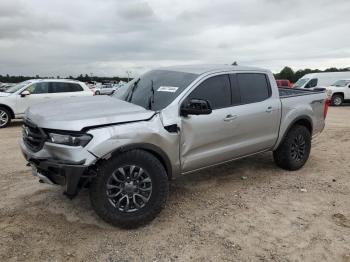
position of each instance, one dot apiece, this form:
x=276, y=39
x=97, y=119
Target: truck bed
x=290, y=92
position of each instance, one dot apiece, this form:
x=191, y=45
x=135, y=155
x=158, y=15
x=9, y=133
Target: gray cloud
x=108, y=37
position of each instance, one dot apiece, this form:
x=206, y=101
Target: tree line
x=288, y=73
x=285, y=73
x=84, y=78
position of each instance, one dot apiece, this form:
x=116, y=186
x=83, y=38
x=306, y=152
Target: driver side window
x=39, y=88
x=312, y=83
x=216, y=90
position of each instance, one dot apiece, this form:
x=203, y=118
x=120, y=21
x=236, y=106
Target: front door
x=39, y=92
x=204, y=137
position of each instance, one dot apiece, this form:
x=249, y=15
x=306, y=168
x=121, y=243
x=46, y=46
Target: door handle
x=269, y=109
x=230, y=118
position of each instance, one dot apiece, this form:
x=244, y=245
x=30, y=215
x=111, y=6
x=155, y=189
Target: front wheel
x=5, y=117
x=337, y=100
x=130, y=189
x=294, y=150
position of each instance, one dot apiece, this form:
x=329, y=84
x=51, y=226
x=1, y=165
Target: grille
x=33, y=137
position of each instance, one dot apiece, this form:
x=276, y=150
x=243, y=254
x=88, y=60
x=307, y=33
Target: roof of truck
x=207, y=68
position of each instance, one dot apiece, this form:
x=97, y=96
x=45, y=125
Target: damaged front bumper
x=72, y=175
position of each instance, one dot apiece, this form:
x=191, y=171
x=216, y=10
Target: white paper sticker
x=170, y=89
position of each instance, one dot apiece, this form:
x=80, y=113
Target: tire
x=287, y=156
x=97, y=93
x=337, y=100
x=112, y=206
x=5, y=117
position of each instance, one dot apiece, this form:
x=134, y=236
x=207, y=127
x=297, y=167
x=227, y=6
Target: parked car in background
x=316, y=80
x=339, y=92
x=106, y=89
x=4, y=86
x=15, y=100
x=170, y=121
x=283, y=83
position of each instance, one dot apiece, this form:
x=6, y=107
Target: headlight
x=329, y=92
x=70, y=139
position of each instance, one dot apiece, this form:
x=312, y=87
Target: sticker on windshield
x=170, y=89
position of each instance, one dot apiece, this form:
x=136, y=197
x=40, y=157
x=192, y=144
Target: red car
x=284, y=83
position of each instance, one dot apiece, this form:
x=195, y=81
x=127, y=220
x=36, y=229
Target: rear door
x=257, y=114
x=65, y=89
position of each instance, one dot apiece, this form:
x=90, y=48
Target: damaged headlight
x=70, y=139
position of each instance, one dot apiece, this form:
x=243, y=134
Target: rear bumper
x=70, y=174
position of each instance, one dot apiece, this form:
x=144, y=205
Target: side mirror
x=195, y=107
x=25, y=93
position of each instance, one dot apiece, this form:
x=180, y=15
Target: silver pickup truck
x=170, y=121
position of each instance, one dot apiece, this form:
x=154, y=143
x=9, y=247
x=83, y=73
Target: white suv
x=15, y=100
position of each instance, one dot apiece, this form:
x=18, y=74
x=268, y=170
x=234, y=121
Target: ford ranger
x=169, y=121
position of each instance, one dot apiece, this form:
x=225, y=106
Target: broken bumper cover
x=69, y=174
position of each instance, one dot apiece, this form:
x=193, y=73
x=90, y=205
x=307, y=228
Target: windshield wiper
x=151, y=98
x=131, y=93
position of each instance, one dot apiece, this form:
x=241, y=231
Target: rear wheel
x=97, y=93
x=130, y=189
x=337, y=100
x=5, y=117
x=294, y=150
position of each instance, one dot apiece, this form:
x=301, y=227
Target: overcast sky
x=109, y=37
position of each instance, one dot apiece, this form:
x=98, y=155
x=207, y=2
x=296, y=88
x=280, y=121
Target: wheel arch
x=302, y=120
x=9, y=109
x=154, y=150
x=338, y=93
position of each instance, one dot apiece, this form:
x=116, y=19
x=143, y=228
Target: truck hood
x=3, y=94
x=74, y=114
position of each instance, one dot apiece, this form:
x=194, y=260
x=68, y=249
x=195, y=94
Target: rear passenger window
x=253, y=87
x=61, y=87
x=75, y=87
x=216, y=90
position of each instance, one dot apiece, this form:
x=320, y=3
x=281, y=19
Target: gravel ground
x=248, y=210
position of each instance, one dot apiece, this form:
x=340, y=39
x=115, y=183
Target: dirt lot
x=214, y=215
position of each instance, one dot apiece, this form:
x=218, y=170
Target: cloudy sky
x=109, y=37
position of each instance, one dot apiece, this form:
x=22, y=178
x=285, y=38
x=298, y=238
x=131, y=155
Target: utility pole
x=128, y=72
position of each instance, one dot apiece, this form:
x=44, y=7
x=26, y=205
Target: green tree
x=287, y=73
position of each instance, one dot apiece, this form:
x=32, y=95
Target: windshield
x=300, y=82
x=15, y=88
x=155, y=89
x=341, y=83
